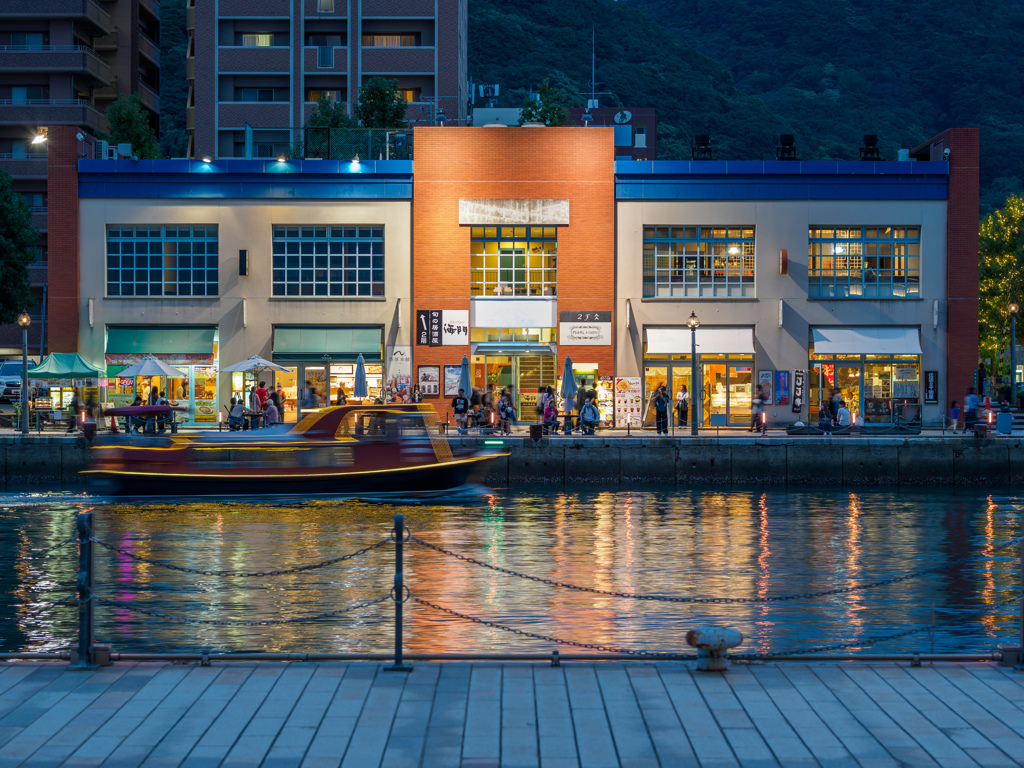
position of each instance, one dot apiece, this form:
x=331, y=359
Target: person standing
x=970, y=410
x=542, y=397
x=982, y=374
x=277, y=399
x=73, y=407
x=416, y=396
x=460, y=407
x=683, y=406
x=505, y=412
x=581, y=399
x=489, y=403
x=954, y=415
x=661, y=404
x=261, y=396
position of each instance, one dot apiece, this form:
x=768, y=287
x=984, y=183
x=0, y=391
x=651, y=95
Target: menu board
x=628, y=400
x=606, y=399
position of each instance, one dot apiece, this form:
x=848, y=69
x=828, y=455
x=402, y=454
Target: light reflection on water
x=735, y=544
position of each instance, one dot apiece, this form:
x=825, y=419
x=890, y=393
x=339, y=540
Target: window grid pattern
x=328, y=261
x=162, y=260
x=864, y=262
x=699, y=261
x=513, y=261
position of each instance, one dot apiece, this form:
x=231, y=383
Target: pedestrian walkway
x=477, y=715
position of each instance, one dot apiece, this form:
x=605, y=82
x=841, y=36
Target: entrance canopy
x=342, y=343
x=882, y=340
x=65, y=365
x=160, y=339
x=710, y=341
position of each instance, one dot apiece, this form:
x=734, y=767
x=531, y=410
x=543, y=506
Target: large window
x=513, y=261
x=864, y=262
x=699, y=261
x=391, y=41
x=328, y=261
x=162, y=260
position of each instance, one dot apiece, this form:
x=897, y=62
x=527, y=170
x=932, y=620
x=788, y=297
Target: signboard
x=798, y=391
x=628, y=400
x=783, y=261
x=422, y=327
x=782, y=387
x=452, y=374
x=429, y=379
x=43, y=404
x=764, y=386
x=399, y=369
x=931, y=387
x=585, y=329
x=436, y=327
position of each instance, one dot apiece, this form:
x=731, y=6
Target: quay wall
x=705, y=461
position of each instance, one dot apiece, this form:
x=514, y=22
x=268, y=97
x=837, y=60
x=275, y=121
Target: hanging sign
x=585, y=329
x=782, y=387
x=931, y=387
x=436, y=327
x=422, y=327
x=798, y=391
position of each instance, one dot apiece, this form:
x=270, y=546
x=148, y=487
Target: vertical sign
x=782, y=387
x=422, y=327
x=434, y=324
x=764, y=386
x=931, y=387
x=798, y=391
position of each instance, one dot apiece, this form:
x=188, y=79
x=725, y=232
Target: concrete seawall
x=54, y=461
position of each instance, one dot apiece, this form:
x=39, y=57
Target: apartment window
x=325, y=6
x=257, y=39
x=390, y=41
x=25, y=94
x=314, y=95
x=162, y=260
x=255, y=94
x=864, y=262
x=513, y=261
x=410, y=95
x=325, y=57
x=36, y=201
x=328, y=261
x=698, y=261
x=30, y=40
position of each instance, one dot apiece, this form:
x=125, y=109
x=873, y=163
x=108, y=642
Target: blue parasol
x=569, y=387
x=359, y=390
x=464, y=381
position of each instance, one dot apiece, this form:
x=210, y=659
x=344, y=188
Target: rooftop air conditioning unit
x=100, y=152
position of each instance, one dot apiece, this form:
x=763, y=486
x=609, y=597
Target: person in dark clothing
x=661, y=403
x=460, y=407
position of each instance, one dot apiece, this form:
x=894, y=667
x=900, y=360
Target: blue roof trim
x=246, y=179
x=781, y=180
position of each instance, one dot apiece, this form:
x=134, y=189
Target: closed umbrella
x=464, y=382
x=359, y=390
x=569, y=387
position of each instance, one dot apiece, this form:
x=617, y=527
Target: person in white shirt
x=235, y=419
x=843, y=416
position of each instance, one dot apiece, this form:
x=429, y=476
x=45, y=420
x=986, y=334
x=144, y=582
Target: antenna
x=594, y=93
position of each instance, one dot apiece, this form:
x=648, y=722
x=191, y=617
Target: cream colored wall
x=781, y=224
x=243, y=225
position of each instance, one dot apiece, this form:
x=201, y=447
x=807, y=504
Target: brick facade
x=517, y=163
x=62, y=305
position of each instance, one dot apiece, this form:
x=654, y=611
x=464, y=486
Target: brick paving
x=491, y=715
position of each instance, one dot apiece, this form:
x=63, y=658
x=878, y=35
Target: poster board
x=429, y=379
x=452, y=374
x=628, y=400
x=764, y=386
x=782, y=387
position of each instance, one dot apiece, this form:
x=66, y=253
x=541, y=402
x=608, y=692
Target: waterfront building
x=530, y=245
x=62, y=65
x=256, y=70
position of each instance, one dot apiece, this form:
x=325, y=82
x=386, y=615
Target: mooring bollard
x=397, y=596
x=83, y=582
x=711, y=644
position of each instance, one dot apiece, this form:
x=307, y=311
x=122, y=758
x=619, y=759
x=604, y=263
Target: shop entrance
x=674, y=377
x=728, y=389
x=844, y=379
x=527, y=374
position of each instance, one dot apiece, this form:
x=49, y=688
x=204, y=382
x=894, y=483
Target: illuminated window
x=699, y=261
x=162, y=260
x=389, y=41
x=513, y=261
x=876, y=262
x=334, y=94
x=410, y=94
x=257, y=39
x=325, y=6
x=328, y=261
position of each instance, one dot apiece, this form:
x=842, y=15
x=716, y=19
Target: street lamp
x=24, y=321
x=1013, y=308
x=695, y=397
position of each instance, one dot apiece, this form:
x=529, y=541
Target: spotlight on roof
x=586, y=118
x=355, y=160
x=207, y=159
x=786, y=150
x=870, y=150
x=281, y=158
x=702, y=149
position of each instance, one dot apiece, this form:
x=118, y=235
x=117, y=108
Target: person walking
x=982, y=375
x=755, y=411
x=683, y=406
x=661, y=404
x=73, y=406
x=954, y=415
x=505, y=413
x=589, y=416
x=825, y=418
x=489, y=404
x=460, y=407
x=970, y=410
x=542, y=398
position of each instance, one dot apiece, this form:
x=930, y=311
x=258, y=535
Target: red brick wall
x=62, y=189
x=519, y=163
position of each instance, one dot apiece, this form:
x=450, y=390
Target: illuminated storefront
x=192, y=350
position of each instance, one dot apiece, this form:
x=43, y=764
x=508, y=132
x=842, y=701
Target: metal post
x=24, y=380
x=399, y=665
x=696, y=393
x=1013, y=359
x=84, y=583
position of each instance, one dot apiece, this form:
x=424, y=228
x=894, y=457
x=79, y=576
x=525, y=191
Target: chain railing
x=86, y=598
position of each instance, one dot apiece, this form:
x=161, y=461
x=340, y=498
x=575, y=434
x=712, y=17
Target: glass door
x=716, y=395
x=654, y=377
x=741, y=382
x=848, y=383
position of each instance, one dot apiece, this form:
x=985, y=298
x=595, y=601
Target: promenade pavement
x=491, y=715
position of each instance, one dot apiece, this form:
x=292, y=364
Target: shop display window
x=162, y=260
x=699, y=261
x=513, y=261
x=875, y=387
x=877, y=262
x=522, y=335
x=328, y=261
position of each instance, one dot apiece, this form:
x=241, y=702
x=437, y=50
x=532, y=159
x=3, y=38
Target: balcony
x=40, y=218
x=32, y=165
x=313, y=57
x=312, y=9
x=52, y=112
x=107, y=42
x=153, y=6
x=408, y=9
x=73, y=59
x=249, y=60
x=258, y=114
x=149, y=48
x=398, y=60
x=150, y=97
x=262, y=9
x=85, y=13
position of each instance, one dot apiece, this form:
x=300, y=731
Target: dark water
x=711, y=543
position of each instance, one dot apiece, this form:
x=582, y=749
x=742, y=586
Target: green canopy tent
x=65, y=366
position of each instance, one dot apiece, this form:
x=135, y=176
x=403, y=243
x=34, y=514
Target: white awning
x=881, y=340
x=710, y=341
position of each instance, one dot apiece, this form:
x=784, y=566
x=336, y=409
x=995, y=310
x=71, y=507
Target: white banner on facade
x=454, y=327
x=399, y=374
x=585, y=329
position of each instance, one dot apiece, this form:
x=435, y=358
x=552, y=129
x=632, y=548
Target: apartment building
x=256, y=68
x=61, y=64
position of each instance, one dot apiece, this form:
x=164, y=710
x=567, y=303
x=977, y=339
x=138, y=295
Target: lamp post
x=24, y=321
x=1013, y=308
x=696, y=399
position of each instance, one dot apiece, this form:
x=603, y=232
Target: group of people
x=488, y=409
x=834, y=413
x=496, y=409
x=661, y=401
x=261, y=401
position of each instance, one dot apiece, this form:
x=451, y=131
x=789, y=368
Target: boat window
x=412, y=426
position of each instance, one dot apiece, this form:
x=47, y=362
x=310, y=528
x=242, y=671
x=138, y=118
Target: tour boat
x=350, y=449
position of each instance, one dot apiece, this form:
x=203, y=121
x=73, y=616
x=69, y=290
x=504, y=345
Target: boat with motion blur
x=350, y=449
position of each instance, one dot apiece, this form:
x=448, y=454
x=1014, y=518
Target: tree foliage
x=1001, y=256
x=129, y=124
x=381, y=104
x=328, y=114
x=18, y=249
x=549, y=108
x=173, y=86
